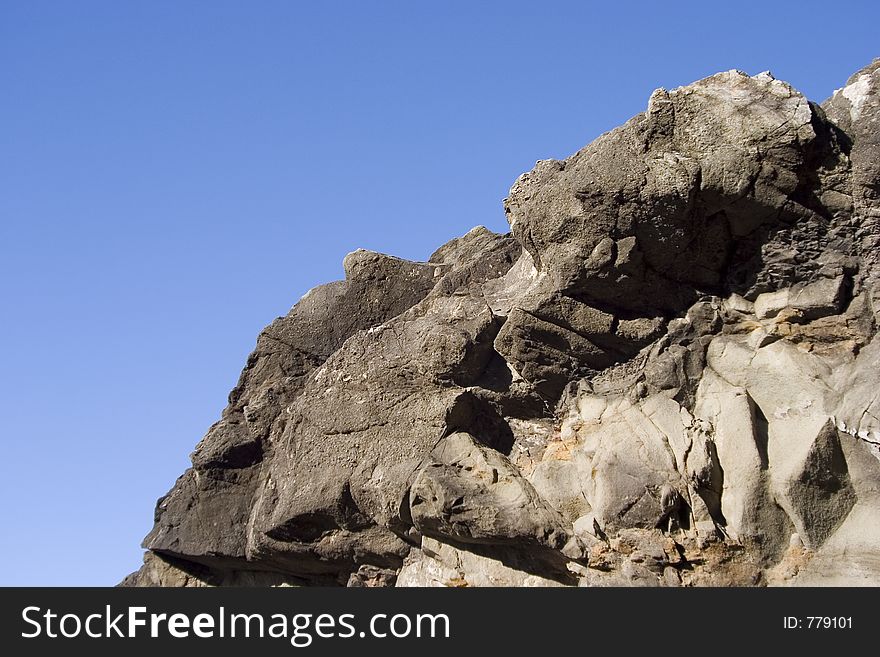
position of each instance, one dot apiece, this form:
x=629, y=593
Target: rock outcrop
x=666, y=374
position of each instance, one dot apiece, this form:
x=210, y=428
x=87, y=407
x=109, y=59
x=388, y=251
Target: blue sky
x=174, y=175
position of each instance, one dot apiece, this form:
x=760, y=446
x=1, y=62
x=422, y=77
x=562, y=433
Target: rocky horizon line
x=665, y=374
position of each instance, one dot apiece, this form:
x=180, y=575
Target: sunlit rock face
x=665, y=375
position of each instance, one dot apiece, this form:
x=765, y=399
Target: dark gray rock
x=855, y=109
x=471, y=493
x=666, y=375
x=210, y=513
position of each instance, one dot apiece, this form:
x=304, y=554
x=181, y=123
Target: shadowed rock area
x=665, y=375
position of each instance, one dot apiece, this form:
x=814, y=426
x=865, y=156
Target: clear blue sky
x=174, y=175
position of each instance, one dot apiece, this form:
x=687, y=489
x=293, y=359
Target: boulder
x=665, y=375
x=469, y=493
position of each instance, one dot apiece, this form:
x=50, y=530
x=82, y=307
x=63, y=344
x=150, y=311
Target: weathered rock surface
x=666, y=375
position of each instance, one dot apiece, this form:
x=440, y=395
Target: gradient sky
x=174, y=175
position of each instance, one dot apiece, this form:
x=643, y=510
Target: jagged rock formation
x=666, y=375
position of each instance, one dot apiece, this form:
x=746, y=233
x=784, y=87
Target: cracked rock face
x=665, y=375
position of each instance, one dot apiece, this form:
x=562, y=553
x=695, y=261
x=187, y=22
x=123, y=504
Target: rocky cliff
x=666, y=374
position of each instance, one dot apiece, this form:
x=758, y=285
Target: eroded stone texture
x=666, y=375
